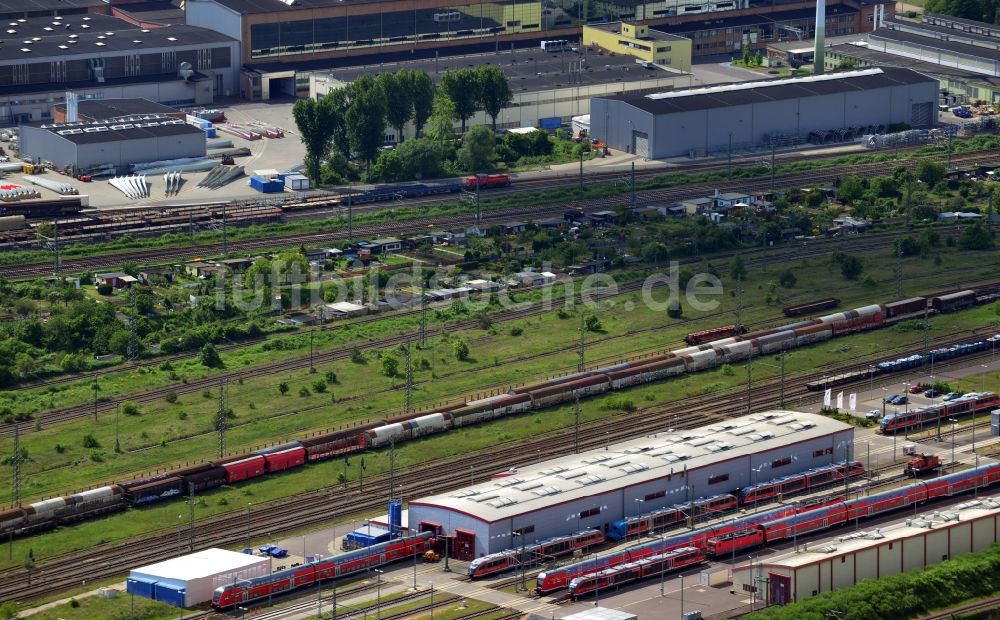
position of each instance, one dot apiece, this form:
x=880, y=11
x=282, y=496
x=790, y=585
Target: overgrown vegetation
x=908, y=595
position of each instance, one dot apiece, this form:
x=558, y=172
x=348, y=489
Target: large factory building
x=118, y=142
x=593, y=489
x=699, y=121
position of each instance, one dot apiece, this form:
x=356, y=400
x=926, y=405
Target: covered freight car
x=896, y=309
x=716, y=333
x=282, y=457
x=242, y=467
x=329, y=445
x=812, y=306
x=154, y=491
x=954, y=301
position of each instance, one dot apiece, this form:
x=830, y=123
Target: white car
x=874, y=414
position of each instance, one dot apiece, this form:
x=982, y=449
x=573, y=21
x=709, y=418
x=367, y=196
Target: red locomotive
x=486, y=181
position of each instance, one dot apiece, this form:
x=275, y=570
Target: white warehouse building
x=698, y=121
x=595, y=488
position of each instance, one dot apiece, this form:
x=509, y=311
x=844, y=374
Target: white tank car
x=384, y=435
x=701, y=360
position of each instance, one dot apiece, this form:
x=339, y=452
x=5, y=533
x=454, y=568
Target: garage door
x=920, y=114
x=640, y=144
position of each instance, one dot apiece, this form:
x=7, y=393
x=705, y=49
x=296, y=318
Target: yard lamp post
x=953, y=421
x=378, y=594
x=795, y=531
x=638, y=511
x=663, y=565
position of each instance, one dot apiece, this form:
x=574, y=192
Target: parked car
x=278, y=552
x=891, y=400
x=932, y=393
x=961, y=113
x=918, y=388
x=899, y=399
x=265, y=549
x=874, y=414
x=951, y=396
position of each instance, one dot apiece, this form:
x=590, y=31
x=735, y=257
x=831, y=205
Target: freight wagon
x=812, y=306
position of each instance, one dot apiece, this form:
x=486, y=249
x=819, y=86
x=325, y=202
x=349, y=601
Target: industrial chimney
x=819, y=58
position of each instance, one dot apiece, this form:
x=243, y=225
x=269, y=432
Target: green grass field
x=363, y=393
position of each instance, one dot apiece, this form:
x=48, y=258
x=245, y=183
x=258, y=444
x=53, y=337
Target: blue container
x=258, y=183
x=210, y=132
x=170, y=594
x=273, y=187
x=553, y=122
x=141, y=587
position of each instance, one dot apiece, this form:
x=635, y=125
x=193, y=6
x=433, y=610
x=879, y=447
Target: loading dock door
x=781, y=587
x=465, y=546
x=640, y=144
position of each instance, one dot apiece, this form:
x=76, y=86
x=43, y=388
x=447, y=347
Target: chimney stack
x=819, y=57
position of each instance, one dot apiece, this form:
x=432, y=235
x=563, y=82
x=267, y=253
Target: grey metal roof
x=900, y=36
x=747, y=93
x=526, y=69
x=538, y=486
x=87, y=35
x=653, y=35
x=25, y=6
x=885, y=59
x=251, y=7
x=92, y=133
x=102, y=109
x=967, y=22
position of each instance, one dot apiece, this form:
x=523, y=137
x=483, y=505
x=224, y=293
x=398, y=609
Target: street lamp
x=378, y=594
x=953, y=421
x=795, y=530
x=638, y=511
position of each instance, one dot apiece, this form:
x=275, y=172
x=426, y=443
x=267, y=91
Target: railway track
x=166, y=255
x=322, y=506
x=965, y=610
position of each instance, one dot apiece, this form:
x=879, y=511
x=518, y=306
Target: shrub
x=330, y=376
x=130, y=408
x=89, y=441
x=171, y=397
x=206, y=393
x=787, y=279
x=182, y=415
x=461, y=350
x=516, y=331
x=390, y=366
x=303, y=391
x=166, y=366
x=210, y=357
x=105, y=289
x=97, y=456
x=283, y=388
x=357, y=356
x=319, y=386
x=592, y=323
x=60, y=448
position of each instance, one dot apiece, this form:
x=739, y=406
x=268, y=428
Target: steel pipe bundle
x=236, y=152
x=219, y=144
x=57, y=186
x=13, y=193
x=14, y=166
x=220, y=176
x=133, y=186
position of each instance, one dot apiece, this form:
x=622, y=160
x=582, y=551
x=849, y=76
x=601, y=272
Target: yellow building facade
x=652, y=46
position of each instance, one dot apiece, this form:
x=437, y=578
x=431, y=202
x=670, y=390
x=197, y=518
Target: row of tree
x=351, y=120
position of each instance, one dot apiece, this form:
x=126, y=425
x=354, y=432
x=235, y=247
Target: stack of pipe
x=219, y=144
x=221, y=175
x=197, y=166
x=133, y=186
x=57, y=186
x=11, y=192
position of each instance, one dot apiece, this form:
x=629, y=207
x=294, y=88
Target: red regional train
x=655, y=565
x=247, y=591
x=554, y=547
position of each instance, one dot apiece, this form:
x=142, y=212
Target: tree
x=787, y=279
x=851, y=188
x=592, y=324
x=737, y=269
x=478, y=149
x=283, y=388
x=398, y=102
x=930, y=172
x=494, y=91
x=210, y=357
x=315, y=120
x=746, y=55
x=366, y=125
x=390, y=366
x=758, y=58
x=850, y=265
x=461, y=350
x=421, y=89
x=463, y=88
x=441, y=126
x=421, y=158
x=975, y=237
x=129, y=408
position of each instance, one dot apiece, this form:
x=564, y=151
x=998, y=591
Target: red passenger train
x=654, y=565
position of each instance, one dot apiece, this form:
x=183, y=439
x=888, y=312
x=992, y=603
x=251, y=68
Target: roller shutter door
x=640, y=144
x=920, y=114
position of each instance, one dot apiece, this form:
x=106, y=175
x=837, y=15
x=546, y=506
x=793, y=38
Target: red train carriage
x=717, y=333
x=243, y=467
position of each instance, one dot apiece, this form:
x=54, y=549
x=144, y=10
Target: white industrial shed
x=694, y=122
x=841, y=562
x=121, y=142
x=188, y=580
x=595, y=488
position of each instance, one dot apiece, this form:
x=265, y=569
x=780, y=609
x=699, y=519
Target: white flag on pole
x=853, y=402
x=840, y=400
x=826, y=397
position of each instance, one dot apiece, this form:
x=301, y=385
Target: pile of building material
x=133, y=186
x=58, y=187
x=221, y=175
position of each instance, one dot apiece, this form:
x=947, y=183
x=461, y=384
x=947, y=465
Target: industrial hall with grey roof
x=595, y=488
x=748, y=115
